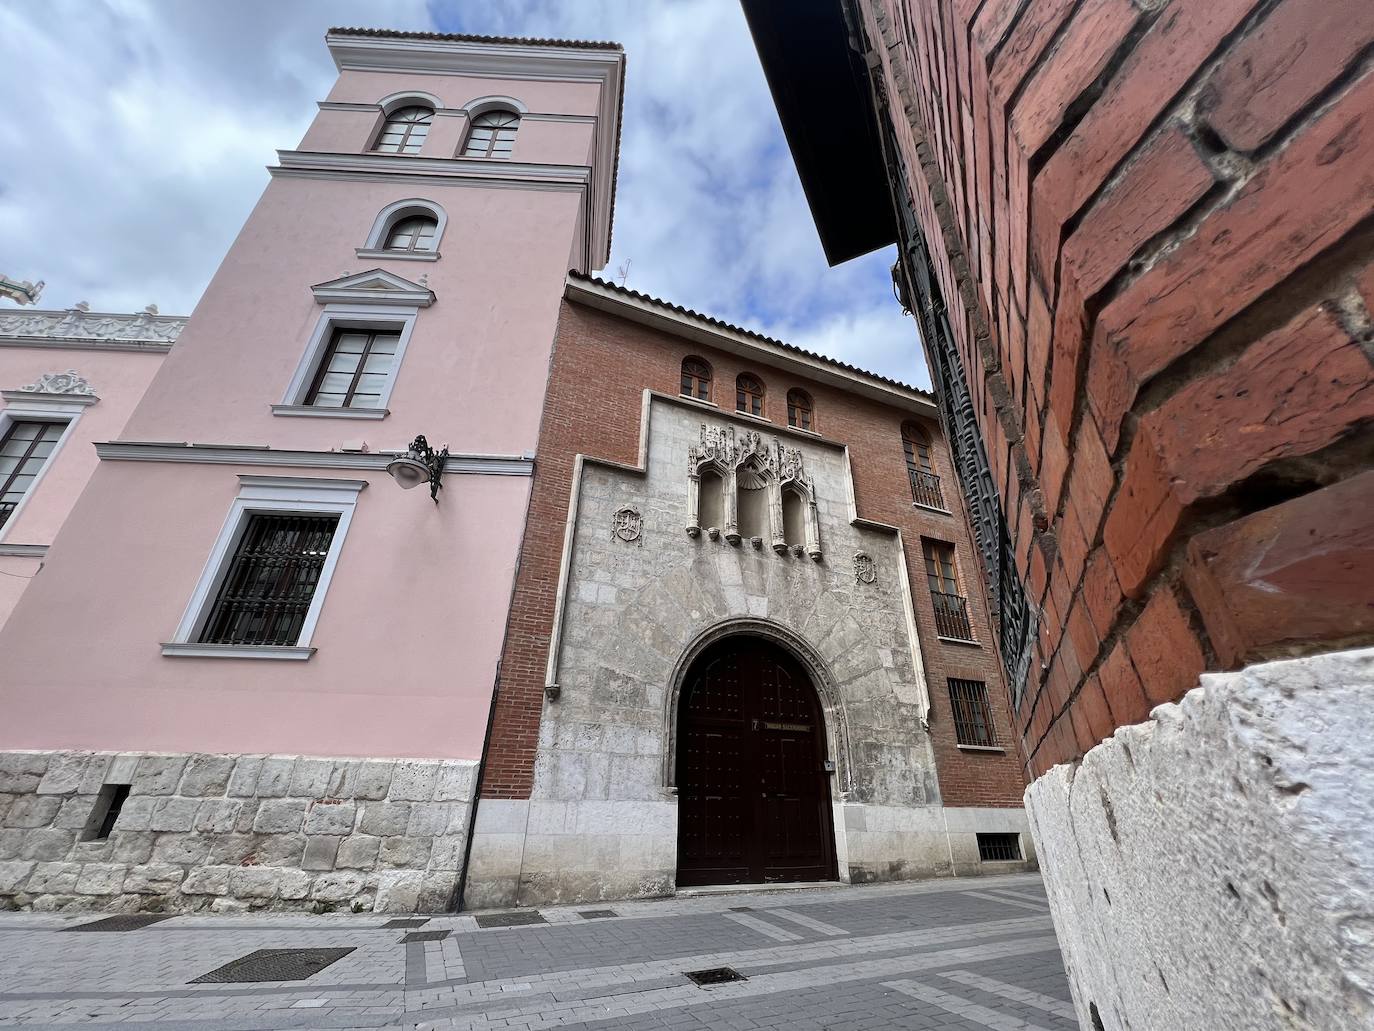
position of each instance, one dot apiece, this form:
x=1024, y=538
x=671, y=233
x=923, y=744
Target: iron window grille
x=413, y=234
x=696, y=379
x=26, y=446
x=271, y=580
x=355, y=368
x=951, y=608
x=749, y=394
x=405, y=131
x=999, y=848
x=492, y=135
x=972, y=714
x=799, y=409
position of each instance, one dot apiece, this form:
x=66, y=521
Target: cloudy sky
x=137, y=132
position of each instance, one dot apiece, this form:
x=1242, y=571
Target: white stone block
x=243, y=781
x=337, y=887
x=153, y=879
x=21, y=772
x=255, y=882
x=294, y=884
x=206, y=775
x=327, y=816
x=398, y=891
x=64, y=774
x=456, y=782
x=413, y=781
x=207, y=880
x=174, y=814
x=101, y=879
x=30, y=811
x=274, y=776
x=13, y=874
x=358, y=852
x=280, y=816
x=158, y=774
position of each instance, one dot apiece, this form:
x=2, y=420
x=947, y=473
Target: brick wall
x=1152, y=223
x=601, y=366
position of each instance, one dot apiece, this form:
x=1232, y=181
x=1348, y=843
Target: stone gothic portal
x=753, y=792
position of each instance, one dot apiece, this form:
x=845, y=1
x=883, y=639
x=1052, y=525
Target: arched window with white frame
x=409, y=229
x=405, y=130
x=492, y=134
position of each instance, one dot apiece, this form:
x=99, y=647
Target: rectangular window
x=271, y=580
x=999, y=848
x=951, y=609
x=26, y=446
x=355, y=369
x=972, y=715
x=105, y=812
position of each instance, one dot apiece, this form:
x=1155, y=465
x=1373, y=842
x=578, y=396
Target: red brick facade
x=601, y=366
x=1152, y=224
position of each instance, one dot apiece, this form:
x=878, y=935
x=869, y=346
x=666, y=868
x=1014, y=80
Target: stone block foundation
x=232, y=832
x=1214, y=867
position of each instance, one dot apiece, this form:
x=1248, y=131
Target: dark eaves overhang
x=820, y=89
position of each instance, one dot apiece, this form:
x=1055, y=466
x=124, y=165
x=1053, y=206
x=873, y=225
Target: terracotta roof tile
x=720, y=324
x=463, y=37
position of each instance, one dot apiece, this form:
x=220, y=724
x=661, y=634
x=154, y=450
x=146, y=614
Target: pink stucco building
x=263, y=639
x=67, y=379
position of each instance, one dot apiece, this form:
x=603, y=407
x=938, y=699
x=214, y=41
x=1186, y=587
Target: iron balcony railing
x=951, y=616
x=6, y=510
x=925, y=488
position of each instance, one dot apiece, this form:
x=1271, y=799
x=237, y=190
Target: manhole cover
x=596, y=914
x=716, y=975
x=126, y=922
x=425, y=936
x=273, y=965
x=407, y=923
x=510, y=919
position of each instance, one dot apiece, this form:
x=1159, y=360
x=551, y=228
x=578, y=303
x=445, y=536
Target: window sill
x=995, y=749
x=959, y=640
x=313, y=412
x=931, y=508
x=698, y=400
x=754, y=418
x=803, y=429
x=187, y=650
x=372, y=252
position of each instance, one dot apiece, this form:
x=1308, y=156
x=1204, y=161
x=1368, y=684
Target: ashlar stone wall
x=1212, y=867
x=601, y=822
x=226, y=832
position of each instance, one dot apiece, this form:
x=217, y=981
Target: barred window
x=749, y=394
x=492, y=135
x=972, y=714
x=24, y=449
x=355, y=368
x=999, y=848
x=696, y=379
x=799, y=409
x=267, y=589
x=951, y=608
x=405, y=131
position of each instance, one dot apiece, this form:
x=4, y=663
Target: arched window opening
x=752, y=512
x=799, y=410
x=749, y=394
x=696, y=379
x=925, y=485
x=711, y=507
x=405, y=130
x=413, y=233
x=793, y=519
x=492, y=135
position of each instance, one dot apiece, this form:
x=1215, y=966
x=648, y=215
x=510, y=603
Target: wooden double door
x=753, y=791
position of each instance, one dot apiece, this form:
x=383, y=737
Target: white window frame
x=23, y=406
x=302, y=495
x=375, y=247
x=346, y=316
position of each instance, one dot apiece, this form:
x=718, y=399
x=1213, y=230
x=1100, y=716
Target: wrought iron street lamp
x=419, y=465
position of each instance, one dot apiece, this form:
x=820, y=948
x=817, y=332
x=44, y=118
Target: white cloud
x=146, y=126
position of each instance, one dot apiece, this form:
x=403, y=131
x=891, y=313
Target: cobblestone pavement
x=938, y=955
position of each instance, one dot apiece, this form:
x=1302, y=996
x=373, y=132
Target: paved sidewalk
x=939, y=955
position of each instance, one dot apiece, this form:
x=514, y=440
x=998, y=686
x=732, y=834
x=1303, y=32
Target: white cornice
x=25, y=396
x=23, y=550
x=661, y=317
x=479, y=169
x=87, y=344
x=229, y=454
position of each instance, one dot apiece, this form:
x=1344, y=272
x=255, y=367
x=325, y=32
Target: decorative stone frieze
x=69, y=382
x=80, y=324
x=229, y=832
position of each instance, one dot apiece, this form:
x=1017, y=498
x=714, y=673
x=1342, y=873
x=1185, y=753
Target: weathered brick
x=1296, y=573
x=1273, y=72
x=1164, y=649
x=1302, y=200
x=1143, y=518
x=1101, y=592
x=1121, y=687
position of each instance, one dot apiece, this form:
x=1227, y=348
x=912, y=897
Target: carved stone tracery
x=69, y=382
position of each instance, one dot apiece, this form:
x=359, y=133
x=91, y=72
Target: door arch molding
x=832, y=707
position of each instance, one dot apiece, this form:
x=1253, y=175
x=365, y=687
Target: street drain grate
x=597, y=914
x=510, y=919
x=125, y=922
x=425, y=936
x=273, y=965
x=741, y=909
x=716, y=975
x=406, y=923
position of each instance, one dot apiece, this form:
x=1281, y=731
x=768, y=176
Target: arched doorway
x=753, y=791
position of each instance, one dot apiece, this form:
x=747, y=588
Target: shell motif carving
x=69, y=382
